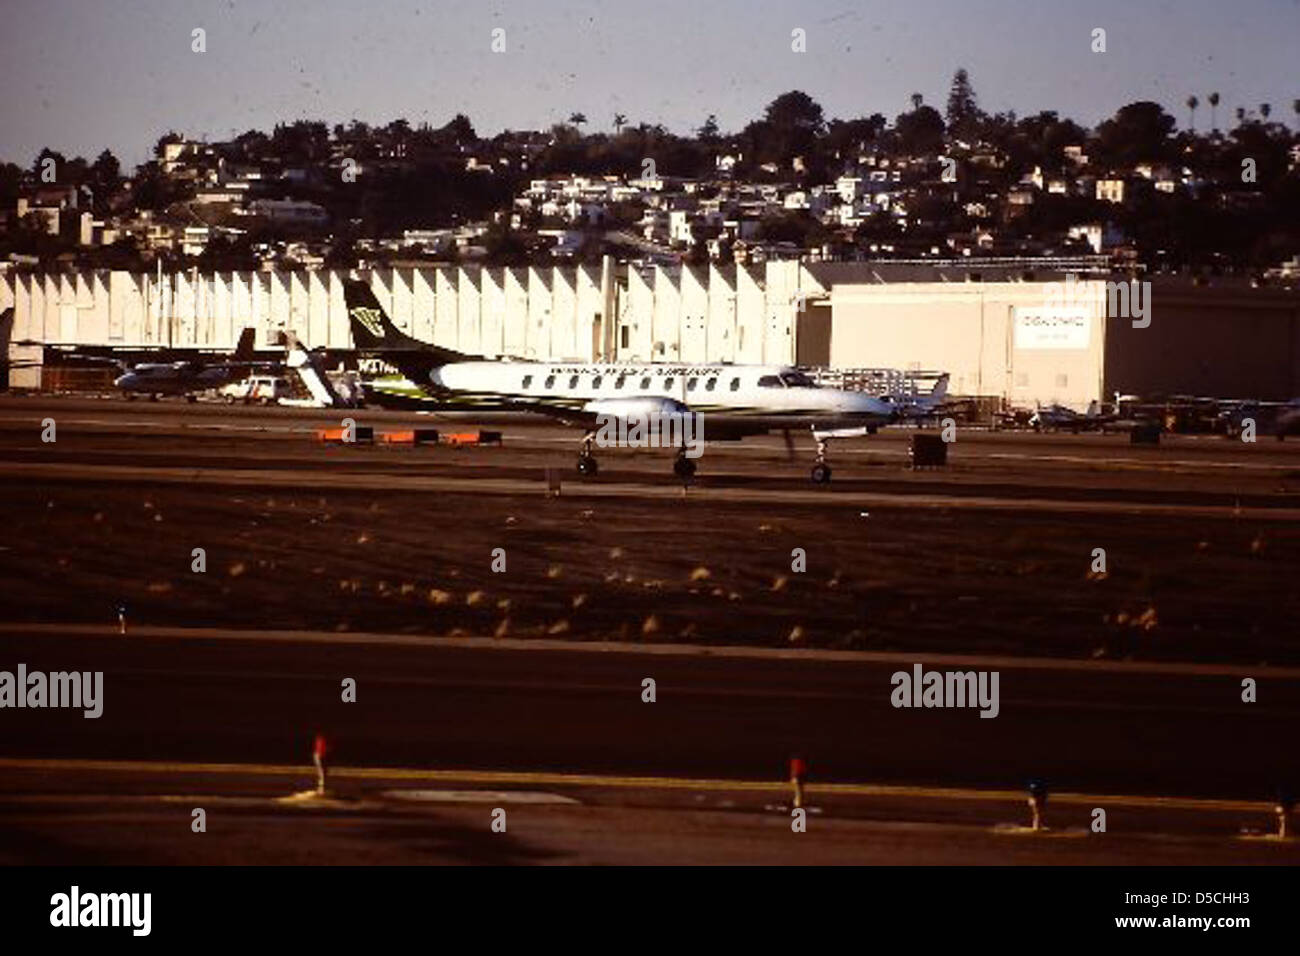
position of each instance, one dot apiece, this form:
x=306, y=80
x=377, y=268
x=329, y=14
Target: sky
x=81, y=75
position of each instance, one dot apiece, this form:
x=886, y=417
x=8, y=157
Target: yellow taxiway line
x=535, y=779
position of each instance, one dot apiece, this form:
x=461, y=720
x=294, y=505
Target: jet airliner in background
x=734, y=401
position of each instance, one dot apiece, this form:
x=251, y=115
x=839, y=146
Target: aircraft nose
x=862, y=403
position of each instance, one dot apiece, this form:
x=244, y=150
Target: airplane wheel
x=684, y=468
x=587, y=466
x=821, y=474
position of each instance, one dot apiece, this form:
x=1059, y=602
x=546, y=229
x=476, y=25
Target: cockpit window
x=797, y=380
x=770, y=381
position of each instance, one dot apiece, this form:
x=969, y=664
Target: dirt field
x=930, y=572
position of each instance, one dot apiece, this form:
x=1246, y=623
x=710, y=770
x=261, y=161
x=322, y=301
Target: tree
x=38, y=164
x=460, y=130
x=577, y=119
x=1241, y=115
x=106, y=170
x=791, y=125
x=962, y=110
x=849, y=135
x=919, y=132
x=1265, y=109
x=253, y=144
x=795, y=110
x=620, y=120
x=1137, y=132
x=1214, y=105
x=917, y=100
x=708, y=133
x=1192, y=103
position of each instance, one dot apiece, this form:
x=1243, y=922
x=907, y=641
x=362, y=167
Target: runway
x=223, y=720
x=1124, y=728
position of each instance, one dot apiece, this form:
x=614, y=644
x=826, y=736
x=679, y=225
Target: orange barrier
x=473, y=438
x=415, y=436
x=362, y=434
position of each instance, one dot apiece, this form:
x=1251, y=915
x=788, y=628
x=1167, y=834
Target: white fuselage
x=769, y=394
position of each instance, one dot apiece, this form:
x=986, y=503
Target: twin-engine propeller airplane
x=731, y=401
x=189, y=376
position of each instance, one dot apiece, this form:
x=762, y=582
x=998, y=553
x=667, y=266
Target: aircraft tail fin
x=373, y=331
x=940, y=390
x=244, y=348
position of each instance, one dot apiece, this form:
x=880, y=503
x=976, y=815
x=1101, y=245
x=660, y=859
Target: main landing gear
x=586, y=460
x=683, y=467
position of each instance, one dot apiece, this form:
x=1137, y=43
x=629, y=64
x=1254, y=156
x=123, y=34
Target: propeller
x=789, y=445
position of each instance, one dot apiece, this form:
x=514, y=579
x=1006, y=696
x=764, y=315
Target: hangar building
x=1007, y=331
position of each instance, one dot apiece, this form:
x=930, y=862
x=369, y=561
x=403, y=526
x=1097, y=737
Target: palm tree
x=1214, y=105
x=1192, y=103
x=577, y=119
x=1265, y=109
x=917, y=100
x=619, y=122
x=1241, y=115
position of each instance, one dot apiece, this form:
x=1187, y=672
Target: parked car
x=263, y=389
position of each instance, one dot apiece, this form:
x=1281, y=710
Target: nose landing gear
x=821, y=472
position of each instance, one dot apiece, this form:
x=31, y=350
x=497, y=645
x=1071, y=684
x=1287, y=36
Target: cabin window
x=710, y=384
x=618, y=382
x=573, y=381
x=735, y=384
x=595, y=382
x=645, y=382
x=528, y=381
x=691, y=383
x=770, y=381
x=668, y=382
x=550, y=381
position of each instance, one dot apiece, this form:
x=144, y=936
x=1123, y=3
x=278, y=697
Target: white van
x=263, y=389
